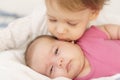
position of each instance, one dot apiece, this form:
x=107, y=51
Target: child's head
x=55, y=58
x=68, y=19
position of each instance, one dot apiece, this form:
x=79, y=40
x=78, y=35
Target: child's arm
x=20, y=32
x=112, y=30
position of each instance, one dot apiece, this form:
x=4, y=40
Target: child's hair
x=29, y=53
x=77, y=5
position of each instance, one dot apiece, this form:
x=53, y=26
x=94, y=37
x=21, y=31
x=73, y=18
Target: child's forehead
x=74, y=5
x=77, y=5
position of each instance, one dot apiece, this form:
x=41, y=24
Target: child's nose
x=61, y=30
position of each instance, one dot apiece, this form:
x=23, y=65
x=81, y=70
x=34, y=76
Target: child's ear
x=94, y=14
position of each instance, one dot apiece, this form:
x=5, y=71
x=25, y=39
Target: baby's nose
x=60, y=63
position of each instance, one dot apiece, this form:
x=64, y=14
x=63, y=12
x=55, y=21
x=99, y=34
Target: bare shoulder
x=104, y=26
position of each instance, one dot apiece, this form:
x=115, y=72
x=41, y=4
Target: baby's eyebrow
x=46, y=71
x=48, y=65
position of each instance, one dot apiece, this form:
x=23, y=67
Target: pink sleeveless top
x=102, y=53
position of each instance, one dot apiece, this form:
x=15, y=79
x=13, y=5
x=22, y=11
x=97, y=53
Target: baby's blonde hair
x=77, y=5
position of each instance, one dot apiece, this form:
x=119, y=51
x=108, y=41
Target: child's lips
x=68, y=40
x=68, y=66
x=63, y=39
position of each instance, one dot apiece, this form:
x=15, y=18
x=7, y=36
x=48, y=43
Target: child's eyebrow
x=70, y=20
x=49, y=15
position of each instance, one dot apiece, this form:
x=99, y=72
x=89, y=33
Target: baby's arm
x=20, y=32
x=112, y=30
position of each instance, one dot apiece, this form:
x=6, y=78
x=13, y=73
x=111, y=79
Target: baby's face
x=55, y=58
x=67, y=25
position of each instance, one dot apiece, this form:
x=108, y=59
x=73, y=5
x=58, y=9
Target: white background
x=109, y=14
x=27, y=6
x=19, y=6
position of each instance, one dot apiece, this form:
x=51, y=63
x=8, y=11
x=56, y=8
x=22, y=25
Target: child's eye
x=56, y=51
x=52, y=20
x=72, y=24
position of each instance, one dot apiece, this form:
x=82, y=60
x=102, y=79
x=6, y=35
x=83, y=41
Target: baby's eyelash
x=56, y=51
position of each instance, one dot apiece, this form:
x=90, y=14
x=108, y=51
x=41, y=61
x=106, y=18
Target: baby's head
x=54, y=58
x=68, y=19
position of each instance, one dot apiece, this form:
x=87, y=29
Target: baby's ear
x=94, y=14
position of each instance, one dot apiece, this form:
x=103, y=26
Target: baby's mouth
x=68, y=66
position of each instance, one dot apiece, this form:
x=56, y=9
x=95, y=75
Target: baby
x=95, y=54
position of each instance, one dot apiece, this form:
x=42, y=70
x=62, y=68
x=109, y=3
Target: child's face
x=57, y=58
x=67, y=25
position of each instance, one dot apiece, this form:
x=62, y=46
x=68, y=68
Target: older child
x=94, y=55
x=66, y=19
